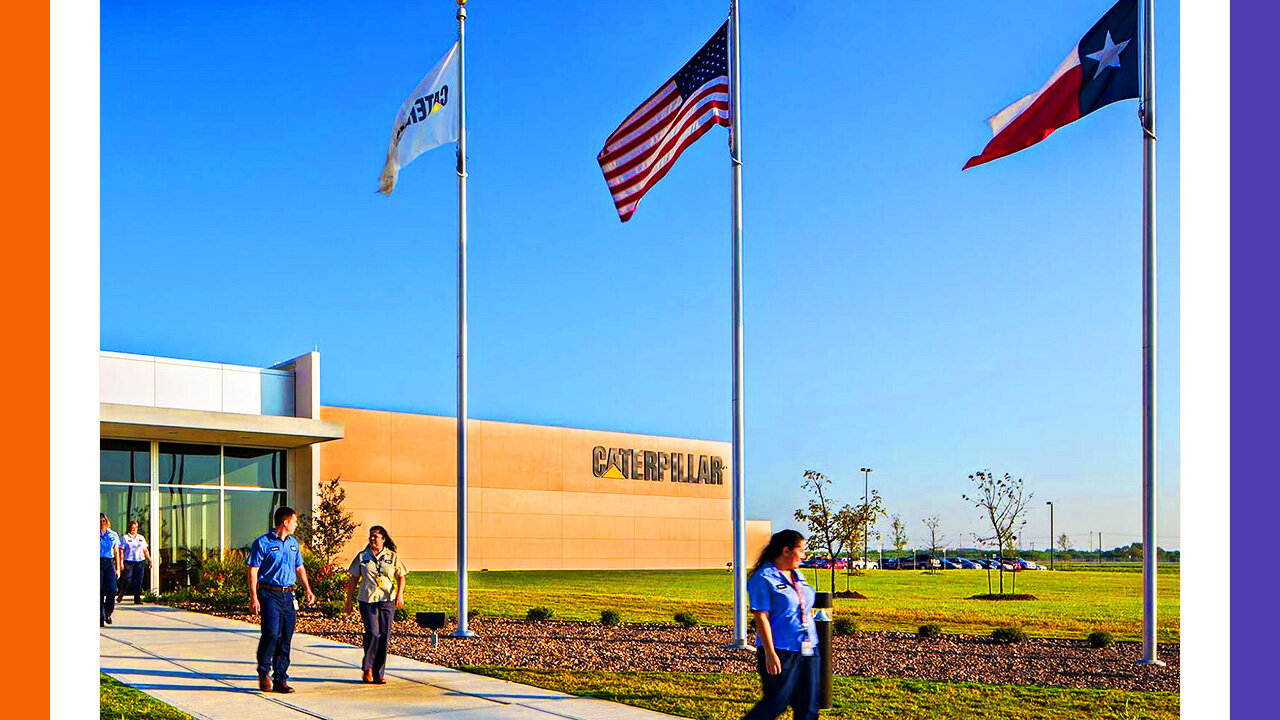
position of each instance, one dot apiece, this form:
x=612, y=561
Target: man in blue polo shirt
x=108, y=569
x=275, y=562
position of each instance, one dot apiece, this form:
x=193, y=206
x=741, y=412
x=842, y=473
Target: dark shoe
x=283, y=687
x=379, y=681
x=108, y=619
x=264, y=683
x=368, y=676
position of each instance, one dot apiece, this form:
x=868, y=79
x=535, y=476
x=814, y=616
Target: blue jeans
x=107, y=588
x=278, y=618
x=795, y=687
x=131, y=579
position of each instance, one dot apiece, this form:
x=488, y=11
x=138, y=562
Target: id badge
x=295, y=603
x=806, y=648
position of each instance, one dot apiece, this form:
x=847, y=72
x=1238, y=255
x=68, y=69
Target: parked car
x=863, y=564
x=951, y=564
x=890, y=563
x=925, y=561
x=967, y=564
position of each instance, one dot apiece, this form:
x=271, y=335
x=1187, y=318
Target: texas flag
x=1101, y=69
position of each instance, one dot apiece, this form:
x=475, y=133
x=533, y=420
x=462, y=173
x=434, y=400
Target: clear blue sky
x=899, y=313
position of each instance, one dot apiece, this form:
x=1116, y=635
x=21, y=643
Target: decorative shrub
x=610, y=618
x=685, y=620
x=1099, y=639
x=472, y=613
x=539, y=613
x=1009, y=634
x=330, y=609
x=220, y=573
x=402, y=615
x=844, y=625
x=328, y=582
x=929, y=630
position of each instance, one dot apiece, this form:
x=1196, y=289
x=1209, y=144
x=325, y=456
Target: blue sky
x=899, y=313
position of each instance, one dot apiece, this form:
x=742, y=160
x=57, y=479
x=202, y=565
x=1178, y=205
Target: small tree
x=1064, y=544
x=1003, y=501
x=898, y=537
x=855, y=525
x=828, y=527
x=331, y=528
x=935, y=539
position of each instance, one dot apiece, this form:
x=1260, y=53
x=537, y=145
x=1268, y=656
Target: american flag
x=645, y=146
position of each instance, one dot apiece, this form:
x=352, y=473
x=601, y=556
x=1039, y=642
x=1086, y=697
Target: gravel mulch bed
x=668, y=648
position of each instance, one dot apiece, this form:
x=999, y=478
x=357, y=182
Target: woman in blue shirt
x=108, y=569
x=786, y=637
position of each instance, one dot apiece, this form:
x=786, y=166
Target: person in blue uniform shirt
x=108, y=569
x=786, y=637
x=275, y=564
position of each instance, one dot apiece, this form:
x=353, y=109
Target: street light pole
x=1050, y=504
x=866, y=498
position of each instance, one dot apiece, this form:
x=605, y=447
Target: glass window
x=188, y=534
x=125, y=461
x=247, y=515
x=254, y=467
x=182, y=464
x=123, y=503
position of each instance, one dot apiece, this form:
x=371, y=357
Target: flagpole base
x=739, y=645
x=468, y=633
x=1153, y=662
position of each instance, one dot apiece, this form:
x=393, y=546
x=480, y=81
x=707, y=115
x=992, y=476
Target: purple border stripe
x=1255, y=352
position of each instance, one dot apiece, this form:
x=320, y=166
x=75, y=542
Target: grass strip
x=121, y=702
x=728, y=696
x=1068, y=604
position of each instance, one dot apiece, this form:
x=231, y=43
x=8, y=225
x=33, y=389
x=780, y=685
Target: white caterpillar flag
x=427, y=119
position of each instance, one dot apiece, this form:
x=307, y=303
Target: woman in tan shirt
x=378, y=572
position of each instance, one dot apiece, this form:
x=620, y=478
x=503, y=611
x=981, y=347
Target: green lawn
x=724, y=696
x=1069, y=604
x=121, y=702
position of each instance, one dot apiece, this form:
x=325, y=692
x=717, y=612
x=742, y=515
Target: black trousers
x=795, y=687
x=107, y=585
x=377, y=619
x=131, y=579
x=278, y=619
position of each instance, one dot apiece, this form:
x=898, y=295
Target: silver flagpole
x=739, y=512
x=462, y=630
x=1149, y=548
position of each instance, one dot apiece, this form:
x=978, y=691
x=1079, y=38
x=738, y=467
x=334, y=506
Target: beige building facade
x=539, y=497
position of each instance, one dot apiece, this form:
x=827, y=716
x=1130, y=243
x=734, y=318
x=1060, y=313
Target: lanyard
x=795, y=586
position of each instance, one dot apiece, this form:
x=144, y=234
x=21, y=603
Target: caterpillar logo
x=423, y=108
x=629, y=464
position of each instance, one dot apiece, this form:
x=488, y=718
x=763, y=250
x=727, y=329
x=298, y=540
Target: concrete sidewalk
x=204, y=665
